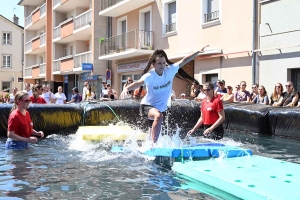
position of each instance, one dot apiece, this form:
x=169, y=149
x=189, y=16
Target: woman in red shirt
x=212, y=115
x=20, y=126
x=37, y=90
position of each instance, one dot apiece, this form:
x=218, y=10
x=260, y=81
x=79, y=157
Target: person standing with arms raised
x=158, y=82
x=212, y=115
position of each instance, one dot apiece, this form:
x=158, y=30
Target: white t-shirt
x=30, y=92
x=47, y=95
x=60, y=98
x=11, y=98
x=159, y=88
x=201, y=95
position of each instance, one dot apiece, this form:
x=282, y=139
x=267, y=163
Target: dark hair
x=18, y=96
x=35, y=88
x=161, y=53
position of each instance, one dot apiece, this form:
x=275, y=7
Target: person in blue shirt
x=75, y=96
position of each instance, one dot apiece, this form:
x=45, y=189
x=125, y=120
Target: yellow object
x=99, y=133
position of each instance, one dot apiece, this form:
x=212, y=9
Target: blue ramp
x=248, y=177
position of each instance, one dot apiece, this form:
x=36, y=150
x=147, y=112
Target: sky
x=8, y=11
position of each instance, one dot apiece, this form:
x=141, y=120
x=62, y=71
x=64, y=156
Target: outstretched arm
x=190, y=57
x=131, y=86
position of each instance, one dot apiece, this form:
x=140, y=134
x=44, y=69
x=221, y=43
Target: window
x=170, y=17
x=6, y=38
x=71, y=50
x=145, y=25
x=66, y=52
x=6, y=61
x=211, y=13
x=5, y=86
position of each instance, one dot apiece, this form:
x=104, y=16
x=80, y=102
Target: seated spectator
x=37, y=91
x=109, y=96
x=182, y=96
x=242, y=95
x=229, y=96
x=290, y=96
x=221, y=89
x=75, y=96
x=113, y=91
x=262, y=97
x=60, y=96
x=139, y=93
x=195, y=89
x=11, y=98
x=254, y=91
x=276, y=96
x=201, y=95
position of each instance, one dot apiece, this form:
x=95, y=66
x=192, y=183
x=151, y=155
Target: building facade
x=179, y=27
x=279, y=51
x=11, y=52
x=61, y=43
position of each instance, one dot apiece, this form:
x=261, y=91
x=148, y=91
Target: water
x=64, y=167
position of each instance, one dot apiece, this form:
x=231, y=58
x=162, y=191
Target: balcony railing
x=108, y=3
x=135, y=39
x=43, y=68
x=55, y=2
x=28, y=46
x=85, y=57
x=56, y=32
x=43, y=39
x=83, y=19
x=211, y=16
x=56, y=65
x=43, y=9
x=170, y=27
x=28, y=72
x=28, y=20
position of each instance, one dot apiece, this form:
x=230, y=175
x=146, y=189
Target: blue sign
x=90, y=78
x=87, y=66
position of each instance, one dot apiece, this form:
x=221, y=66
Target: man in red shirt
x=212, y=115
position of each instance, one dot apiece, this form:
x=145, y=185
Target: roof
x=12, y=22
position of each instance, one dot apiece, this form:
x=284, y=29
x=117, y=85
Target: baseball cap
x=220, y=81
x=75, y=88
x=182, y=94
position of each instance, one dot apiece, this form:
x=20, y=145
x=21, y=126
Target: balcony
x=28, y=73
x=211, y=16
x=130, y=44
x=85, y=57
x=78, y=28
x=42, y=70
x=36, y=19
x=65, y=6
x=36, y=45
x=115, y=8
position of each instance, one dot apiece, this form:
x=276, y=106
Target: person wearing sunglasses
x=242, y=95
x=212, y=115
x=255, y=91
x=276, y=96
x=289, y=97
x=37, y=91
x=262, y=97
x=20, y=126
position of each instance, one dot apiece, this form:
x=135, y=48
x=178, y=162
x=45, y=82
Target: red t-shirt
x=37, y=100
x=209, y=110
x=20, y=124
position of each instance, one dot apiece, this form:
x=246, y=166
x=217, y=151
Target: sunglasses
x=237, y=87
x=287, y=85
x=206, y=90
x=254, y=87
x=244, y=85
x=278, y=86
x=26, y=100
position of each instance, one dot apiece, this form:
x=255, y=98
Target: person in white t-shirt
x=159, y=82
x=60, y=96
x=84, y=91
x=28, y=89
x=47, y=95
x=11, y=98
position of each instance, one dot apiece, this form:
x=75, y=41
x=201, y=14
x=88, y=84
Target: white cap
x=182, y=94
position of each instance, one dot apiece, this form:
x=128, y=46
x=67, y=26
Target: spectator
x=75, y=96
x=84, y=90
x=242, y=95
x=212, y=115
x=109, y=96
x=229, y=96
x=195, y=89
x=129, y=81
x=262, y=97
x=290, y=96
x=182, y=96
x=201, y=95
x=276, y=96
x=173, y=95
x=11, y=98
x=221, y=89
x=47, y=95
x=254, y=91
x=37, y=91
x=104, y=89
x=237, y=88
x=28, y=89
x=20, y=126
x=113, y=91
x=88, y=93
x=139, y=93
x=60, y=96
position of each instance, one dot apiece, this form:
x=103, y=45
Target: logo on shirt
x=162, y=86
